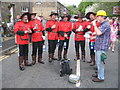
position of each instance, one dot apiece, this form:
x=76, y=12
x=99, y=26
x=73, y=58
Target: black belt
x=54, y=32
x=80, y=34
x=37, y=31
x=65, y=32
x=23, y=39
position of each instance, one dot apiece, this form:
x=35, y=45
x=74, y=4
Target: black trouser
x=61, y=44
x=23, y=50
x=39, y=46
x=81, y=43
x=52, y=46
x=91, y=49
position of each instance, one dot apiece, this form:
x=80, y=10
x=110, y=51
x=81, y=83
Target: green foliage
x=72, y=9
x=107, y=6
x=9, y=15
x=84, y=4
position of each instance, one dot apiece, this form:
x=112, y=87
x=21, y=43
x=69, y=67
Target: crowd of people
x=102, y=34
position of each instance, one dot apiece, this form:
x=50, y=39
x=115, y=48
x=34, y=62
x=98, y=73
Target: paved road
x=9, y=43
x=47, y=75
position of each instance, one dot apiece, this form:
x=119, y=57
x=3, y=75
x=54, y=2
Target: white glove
x=89, y=32
x=43, y=37
x=94, y=23
x=89, y=26
x=87, y=35
x=65, y=35
x=54, y=26
x=79, y=29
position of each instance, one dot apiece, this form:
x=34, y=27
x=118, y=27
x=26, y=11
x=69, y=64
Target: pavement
x=47, y=75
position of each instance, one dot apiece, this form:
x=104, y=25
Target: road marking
x=15, y=50
x=7, y=48
x=1, y=57
x=6, y=56
x=78, y=72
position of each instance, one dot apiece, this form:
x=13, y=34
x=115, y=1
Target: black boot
x=83, y=56
x=26, y=61
x=50, y=58
x=59, y=55
x=21, y=65
x=53, y=58
x=77, y=55
x=93, y=60
x=40, y=60
x=33, y=60
x=65, y=55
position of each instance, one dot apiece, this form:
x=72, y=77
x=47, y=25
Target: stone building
x=9, y=10
x=44, y=8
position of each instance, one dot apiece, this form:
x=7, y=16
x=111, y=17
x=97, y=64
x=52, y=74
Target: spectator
x=41, y=18
x=17, y=19
x=113, y=35
x=101, y=44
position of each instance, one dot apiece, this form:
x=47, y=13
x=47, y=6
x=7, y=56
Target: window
x=25, y=9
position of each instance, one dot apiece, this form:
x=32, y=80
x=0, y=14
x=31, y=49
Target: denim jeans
x=100, y=64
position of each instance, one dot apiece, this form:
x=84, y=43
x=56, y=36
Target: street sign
x=116, y=10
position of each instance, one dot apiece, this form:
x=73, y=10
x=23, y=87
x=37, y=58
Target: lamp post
x=40, y=3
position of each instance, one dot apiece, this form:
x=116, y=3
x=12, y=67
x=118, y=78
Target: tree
x=107, y=6
x=84, y=4
x=72, y=9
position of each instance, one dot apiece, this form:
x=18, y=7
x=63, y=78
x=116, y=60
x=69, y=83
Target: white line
x=4, y=58
x=7, y=49
x=14, y=50
x=1, y=57
x=78, y=72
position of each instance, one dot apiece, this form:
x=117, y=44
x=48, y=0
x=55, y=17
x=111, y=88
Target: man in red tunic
x=37, y=38
x=91, y=17
x=79, y=37
x=65, y=28
x=22, y=30
x=52, y=28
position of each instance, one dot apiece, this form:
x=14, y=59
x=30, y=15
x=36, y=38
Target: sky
x=70, y=2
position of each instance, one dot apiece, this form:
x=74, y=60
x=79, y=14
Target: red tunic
x=79, y=36
x=92, y=29
x=65, y=27
x=53, y=35
x=22, y=26
x=37, y=35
